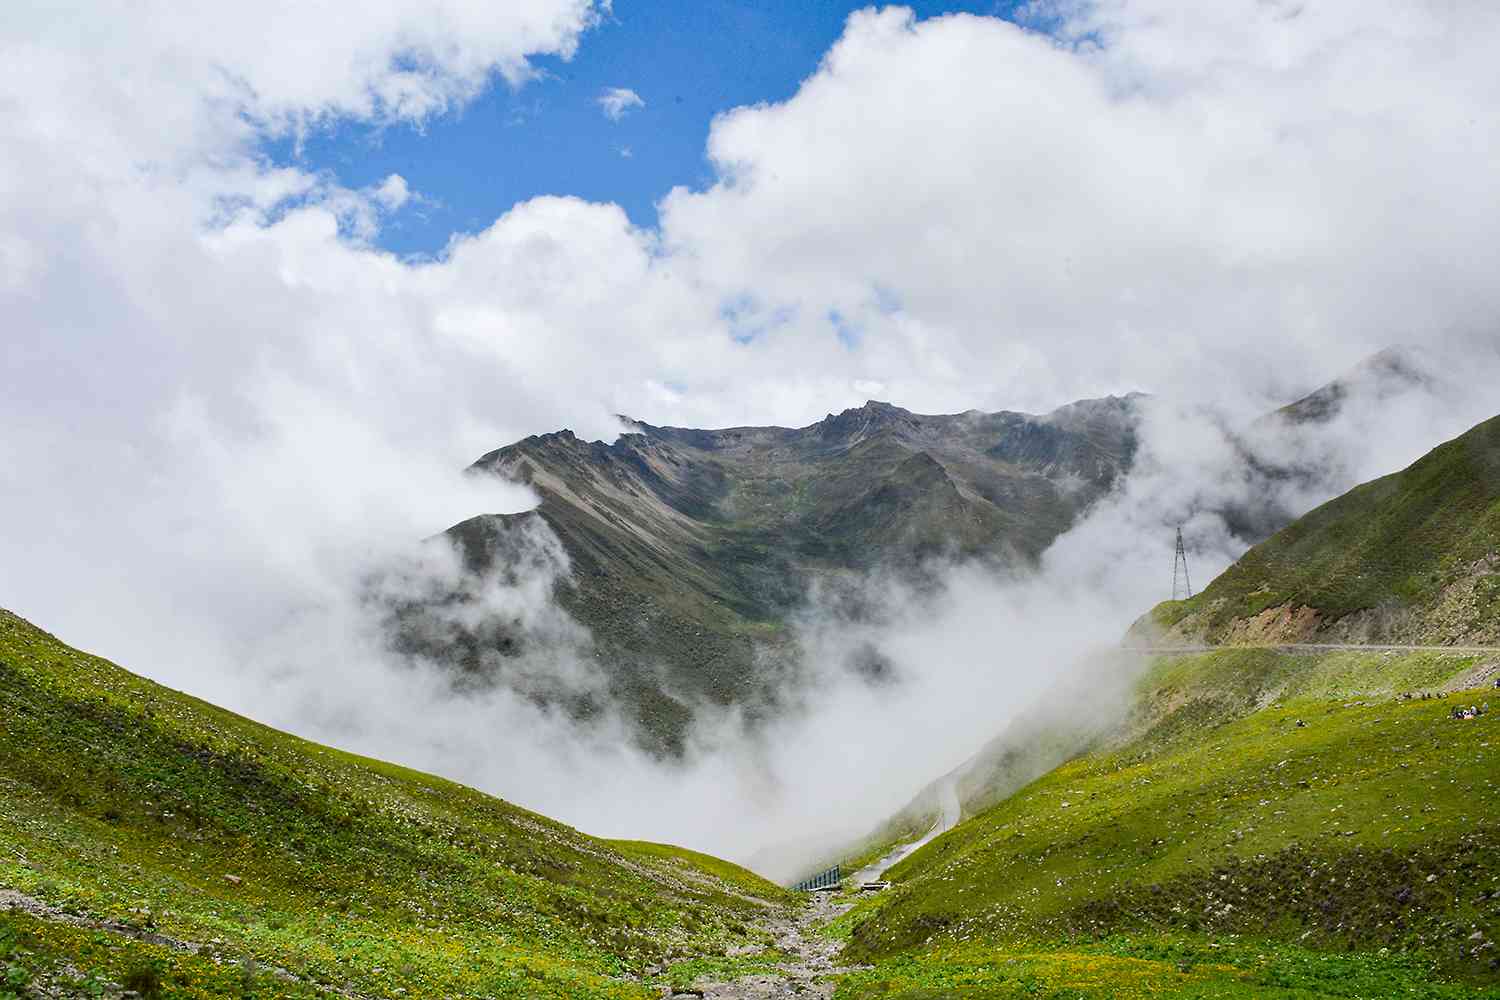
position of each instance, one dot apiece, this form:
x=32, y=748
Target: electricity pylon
x=1180, y=572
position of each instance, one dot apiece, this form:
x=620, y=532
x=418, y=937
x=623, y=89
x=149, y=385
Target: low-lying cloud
x=889, y=683
x=225, y=408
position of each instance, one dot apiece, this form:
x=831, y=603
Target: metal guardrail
x=823, y=880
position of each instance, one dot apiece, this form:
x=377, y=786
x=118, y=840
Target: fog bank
x=226, y=408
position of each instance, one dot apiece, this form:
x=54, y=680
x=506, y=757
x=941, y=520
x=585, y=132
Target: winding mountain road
x=947, y=820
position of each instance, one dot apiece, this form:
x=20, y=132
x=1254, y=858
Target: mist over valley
x=574, y=499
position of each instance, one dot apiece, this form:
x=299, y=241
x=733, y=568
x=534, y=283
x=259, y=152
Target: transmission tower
x=1183, y=589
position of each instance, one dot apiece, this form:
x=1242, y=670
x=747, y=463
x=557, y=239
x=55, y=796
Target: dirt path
x=947, y=820
x=809, y=970
x=806, y=974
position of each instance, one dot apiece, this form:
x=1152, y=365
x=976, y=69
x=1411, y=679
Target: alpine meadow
x=588, y=499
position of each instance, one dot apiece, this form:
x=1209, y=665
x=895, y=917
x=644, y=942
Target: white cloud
x=1163, y=211
x=221, y=400
x=617, y=102
x=392, y=192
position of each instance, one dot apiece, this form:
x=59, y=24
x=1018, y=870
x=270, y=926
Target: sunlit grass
x=1323, y=822
x=128, y=804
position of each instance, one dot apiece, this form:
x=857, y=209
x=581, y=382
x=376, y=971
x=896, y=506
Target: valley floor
x=802, y=961
x=1266, y=825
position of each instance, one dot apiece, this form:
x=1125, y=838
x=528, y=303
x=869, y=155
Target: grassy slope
x=128, y=804
x=1223, y=850
x=1397, y=541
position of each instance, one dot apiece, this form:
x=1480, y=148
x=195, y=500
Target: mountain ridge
x=689, y=551
x=690, y=548
x=1413, y=557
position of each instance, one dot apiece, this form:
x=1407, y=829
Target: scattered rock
x=806, y=971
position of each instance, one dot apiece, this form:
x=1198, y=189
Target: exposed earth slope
x=1411, y=558
x=152, y=842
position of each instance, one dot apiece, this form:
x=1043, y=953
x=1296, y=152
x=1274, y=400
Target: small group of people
x=1469, y=712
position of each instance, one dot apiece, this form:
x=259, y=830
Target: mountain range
x=1254, y=820
x=689, y=549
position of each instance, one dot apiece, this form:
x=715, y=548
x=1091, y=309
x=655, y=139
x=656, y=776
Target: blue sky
x=687, y=59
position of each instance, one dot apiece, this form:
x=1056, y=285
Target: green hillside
x=1270, y=826
x=1413, y=557
x=154, y=842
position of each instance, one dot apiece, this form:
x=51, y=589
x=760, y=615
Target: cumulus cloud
x=1150, y=200
x=223, y=402
x=617, y=102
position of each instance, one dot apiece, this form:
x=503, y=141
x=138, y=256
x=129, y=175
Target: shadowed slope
x=689, y=548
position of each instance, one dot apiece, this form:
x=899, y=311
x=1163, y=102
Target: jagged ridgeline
x=689, y=548
x=677, y=556
x=152, y=842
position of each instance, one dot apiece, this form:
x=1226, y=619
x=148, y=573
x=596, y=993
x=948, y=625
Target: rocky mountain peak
x=691, y=548
x=860, y=422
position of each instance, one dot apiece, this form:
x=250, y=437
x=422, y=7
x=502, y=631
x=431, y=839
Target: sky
x=272, y=275
x=676, y=64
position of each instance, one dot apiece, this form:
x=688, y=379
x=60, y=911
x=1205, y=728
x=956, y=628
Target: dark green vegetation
x=689, y=548
x=1264, y=825
x=155, y=842
x=1411, y=558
